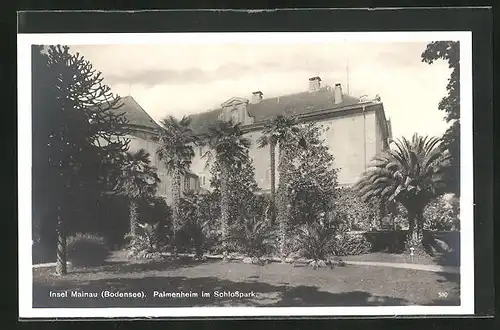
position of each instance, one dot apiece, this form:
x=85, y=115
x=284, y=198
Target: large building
x=357, y=130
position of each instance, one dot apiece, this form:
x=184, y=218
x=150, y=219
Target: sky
x=181, y=79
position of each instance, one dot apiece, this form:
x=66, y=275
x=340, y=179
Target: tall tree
x=269, y=139
x=314, y=177
x=241, y=183
x=450, y=104
x=230, y=149
x=282, y=131
x=412, y=173
x=137, y=180
x=176, y=141
x=75, y=132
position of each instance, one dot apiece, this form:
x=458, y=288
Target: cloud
x=230, y=71
x=174, y=80
x=151, y=77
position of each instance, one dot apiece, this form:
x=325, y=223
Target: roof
x=292, y=104
x=134, y=113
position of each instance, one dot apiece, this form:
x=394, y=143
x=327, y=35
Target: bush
x=387, y=241
x=316, y=240
x=200, y=224
x=146, y=243
x=399, y=217
x=312, y=177
x=197, y=233
x=348, y=244
x=443, y=213
x=156, y=212
x=86, y=250
x=355, y=214
x=254, y=237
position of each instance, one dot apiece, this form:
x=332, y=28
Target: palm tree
x=137, y=180
x=268, y=138
x=176, y=141
x=412, y=173
x=282, y=131
x=230, y=149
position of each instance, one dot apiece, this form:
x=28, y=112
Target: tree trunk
x=133, y=215
x=176, y=201
x=224, y=207
x=282, y=202
x=272, y=156
x=61, y=267
x=381, y=213
x=415, y=234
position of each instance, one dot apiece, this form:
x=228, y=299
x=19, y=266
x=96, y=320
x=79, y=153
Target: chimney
x=337, y=93
x=256, y=97
x=314, y=84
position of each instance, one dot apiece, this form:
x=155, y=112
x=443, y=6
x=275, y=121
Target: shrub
x=355, y=214
x=145, y=244
x=387, y=241
x=86, y=250
x=155, y=211
x=400, y=217
x=200, y=223
x=316, y=241
x=312, y=176
x=255, y=237
x=443, y=213
x=346, y=244
x=201, y=237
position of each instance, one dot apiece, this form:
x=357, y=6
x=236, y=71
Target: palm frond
x=413, y=167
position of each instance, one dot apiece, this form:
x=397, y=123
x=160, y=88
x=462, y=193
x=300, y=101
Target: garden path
x=430, y=268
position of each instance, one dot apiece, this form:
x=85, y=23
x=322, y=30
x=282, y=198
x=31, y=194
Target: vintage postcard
x=258, y=174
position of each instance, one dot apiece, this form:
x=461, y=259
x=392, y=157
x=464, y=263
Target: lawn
x=274, y=284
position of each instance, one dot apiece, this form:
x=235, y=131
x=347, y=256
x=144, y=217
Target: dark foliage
x=442, y=214
x=200, y=220
x=354, y=213
x=87, y=250
x=254, y=237
x=450, y=104
x=350, y=244
x=312, y=176
x=241, y=183
x=316, y=240
x=77, y=134
x=412, y=173
x=156, y=211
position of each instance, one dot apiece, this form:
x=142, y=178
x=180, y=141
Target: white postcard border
x=25, y=41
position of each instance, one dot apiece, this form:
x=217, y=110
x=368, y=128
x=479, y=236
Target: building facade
x=143, y=129
x=357, y=130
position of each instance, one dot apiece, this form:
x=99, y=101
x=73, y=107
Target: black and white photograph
x=258, y=174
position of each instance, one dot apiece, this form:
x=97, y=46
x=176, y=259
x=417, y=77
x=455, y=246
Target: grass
x=274, y=284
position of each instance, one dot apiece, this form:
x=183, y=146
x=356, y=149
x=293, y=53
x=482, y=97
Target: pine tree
x=78, y=134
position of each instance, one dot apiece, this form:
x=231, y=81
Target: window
x=186, y=183
x=201, y=150
x=203, y=179
x=235, y=116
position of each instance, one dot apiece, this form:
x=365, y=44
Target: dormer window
x=235, y=110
